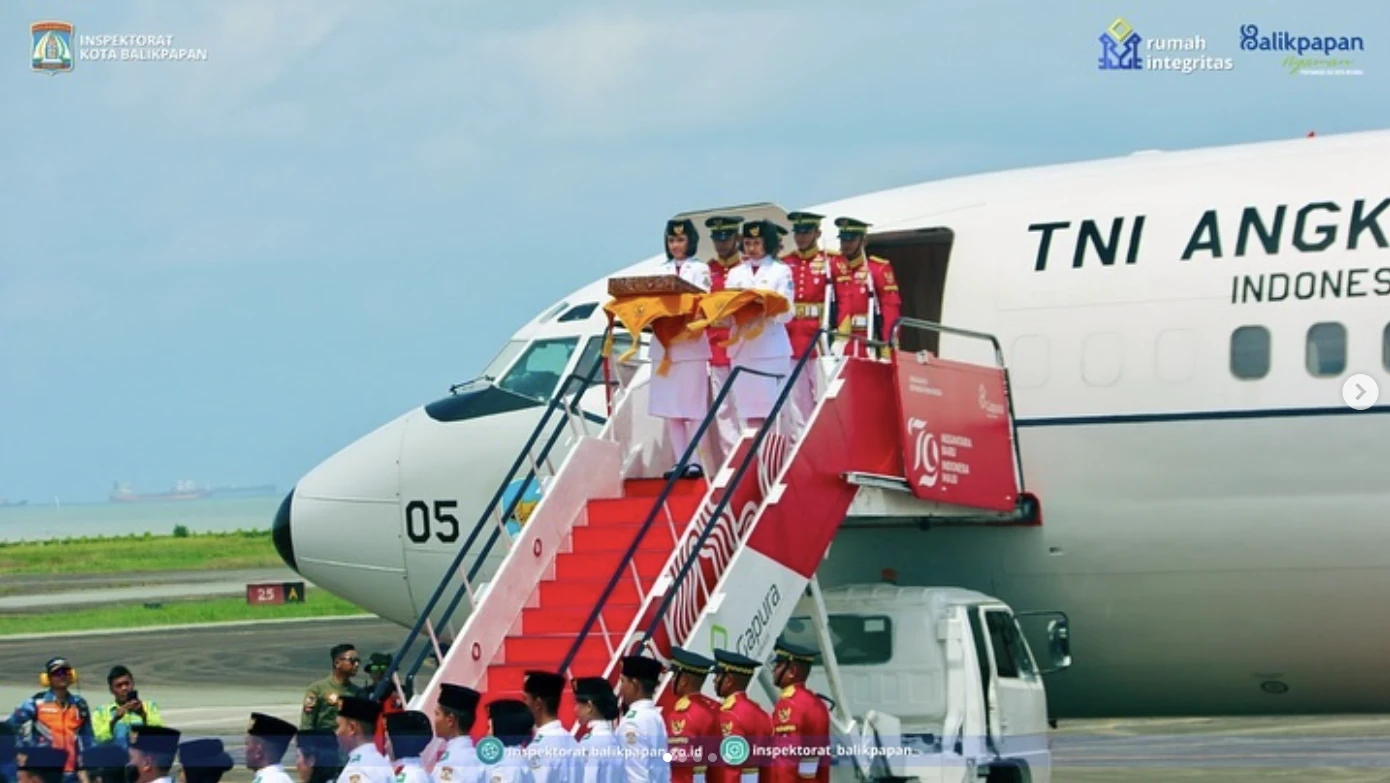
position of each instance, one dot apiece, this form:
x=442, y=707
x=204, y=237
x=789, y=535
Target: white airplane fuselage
x=1220, y=543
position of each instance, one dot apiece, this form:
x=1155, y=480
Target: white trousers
x=723, y=436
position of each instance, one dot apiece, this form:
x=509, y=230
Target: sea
x=73, y=520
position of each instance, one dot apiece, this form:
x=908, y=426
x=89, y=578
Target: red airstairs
x=610, y=562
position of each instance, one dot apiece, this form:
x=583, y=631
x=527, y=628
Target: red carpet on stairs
x=580, y=574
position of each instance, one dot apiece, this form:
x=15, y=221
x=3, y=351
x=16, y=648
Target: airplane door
x=1017, y=699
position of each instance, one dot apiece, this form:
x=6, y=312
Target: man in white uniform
x=511, y=724
x=454, y=716
x=267, y=740
x=554, y=752
x=357, y=737
x=681, y=395
x=407, y=734
x=596, y=707
x=761, y=345
x=642, y=732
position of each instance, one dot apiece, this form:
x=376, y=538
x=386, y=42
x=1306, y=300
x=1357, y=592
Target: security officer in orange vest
x=724, y=233
x=740, y=716
x=800, y=719
x=693, y=723
x=810, y=268
x=859, y=280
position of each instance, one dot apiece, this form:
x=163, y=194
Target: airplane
x=1178, y=327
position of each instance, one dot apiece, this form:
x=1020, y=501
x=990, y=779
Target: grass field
x=198, y=552
x=317, y=603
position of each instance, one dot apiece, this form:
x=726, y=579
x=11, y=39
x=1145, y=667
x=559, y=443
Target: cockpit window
x=504, y=358
x=580, y=312
x=538, y=372
x=592, y=354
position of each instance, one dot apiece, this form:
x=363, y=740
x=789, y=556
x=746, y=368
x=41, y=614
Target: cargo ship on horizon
x=183, y=490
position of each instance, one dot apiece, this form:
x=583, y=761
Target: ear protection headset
x=57, y=663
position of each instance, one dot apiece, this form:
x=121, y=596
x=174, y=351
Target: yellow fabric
x=743, y=307
x=667, y=314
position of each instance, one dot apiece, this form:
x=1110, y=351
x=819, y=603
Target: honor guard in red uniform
x=742, y=717
x=724, y=234
x=800, y=719
x=859, y=280
x=814, y=291
x=692, y=726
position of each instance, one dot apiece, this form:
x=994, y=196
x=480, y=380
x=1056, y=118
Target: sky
x=226, y=270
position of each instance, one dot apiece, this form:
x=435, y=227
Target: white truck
x=947, y=685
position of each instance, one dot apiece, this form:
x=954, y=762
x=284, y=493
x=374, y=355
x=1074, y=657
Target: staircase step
x=548, y=651
x=620, y=537
x=570, y=619
x=586, y=592
x=588, y=563
x=618, y=511
x=652, y=487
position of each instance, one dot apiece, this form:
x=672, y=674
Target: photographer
x=113, y=722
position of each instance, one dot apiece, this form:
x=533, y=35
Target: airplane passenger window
x=1250, y=352
x=859, y=639
x=1327, y=349
x=538, y=372
x=592, y=349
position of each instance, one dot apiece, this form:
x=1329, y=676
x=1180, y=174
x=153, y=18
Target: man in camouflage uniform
x=323, y=697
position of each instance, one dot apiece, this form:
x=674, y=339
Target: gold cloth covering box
x=651, y=285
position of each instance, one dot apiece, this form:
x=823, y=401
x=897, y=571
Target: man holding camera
x=113, y=722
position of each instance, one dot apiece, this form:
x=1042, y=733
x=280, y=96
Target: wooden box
x=651, y=285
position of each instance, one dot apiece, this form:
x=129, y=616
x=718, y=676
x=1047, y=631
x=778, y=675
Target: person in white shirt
x=681, y=395
x=763, y=344
x=454, y=715
x=554, y=752
x=152, y=753
x=596, y=707
x=357, y=737
x=407, y=734
x=267, y=740
x=642, y=732
x=204, y=761
x=511, y=724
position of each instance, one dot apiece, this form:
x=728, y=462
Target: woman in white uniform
x=770, y=350
x=681, y=396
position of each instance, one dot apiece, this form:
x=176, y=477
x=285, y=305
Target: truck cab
x=930, y=683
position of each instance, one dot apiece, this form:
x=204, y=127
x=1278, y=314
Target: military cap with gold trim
x=359, y=709
x=803, y=222
x=733, y=663
x=684, y=227
x=640, y=667
x=786, y=651
x=851, y=227
x=687, y=661
x=723, y=226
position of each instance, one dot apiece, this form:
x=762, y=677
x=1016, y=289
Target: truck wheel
x=1006, y=774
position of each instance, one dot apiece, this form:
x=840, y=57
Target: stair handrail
x=932, y=326
x=677, y=475
x=693, y=553
x=556, y=402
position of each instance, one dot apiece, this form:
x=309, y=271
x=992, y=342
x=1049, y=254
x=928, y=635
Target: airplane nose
x=280, y=532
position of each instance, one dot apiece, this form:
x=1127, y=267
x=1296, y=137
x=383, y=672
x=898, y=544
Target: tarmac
x=207, y=680
x=44, y=592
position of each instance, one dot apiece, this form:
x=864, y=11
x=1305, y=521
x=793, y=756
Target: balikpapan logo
x=1306, y=55
x=992, y=408
x=51, y=47
x=926, y=452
